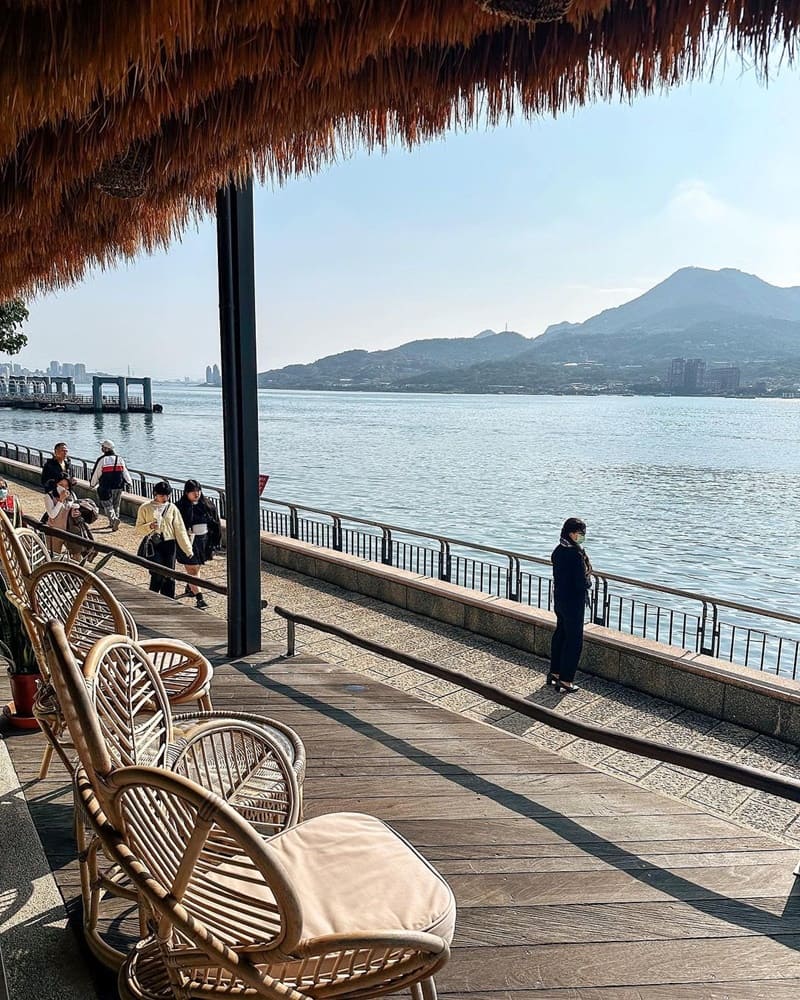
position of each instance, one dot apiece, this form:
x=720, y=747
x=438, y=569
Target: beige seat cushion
x=353, y=874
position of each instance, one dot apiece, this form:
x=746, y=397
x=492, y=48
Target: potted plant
x=23, y=668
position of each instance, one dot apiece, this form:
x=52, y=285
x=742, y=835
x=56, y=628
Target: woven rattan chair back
x=34, y=548
x=129, y=701
x=14, y=563
x=210, y=879
x=74, y=596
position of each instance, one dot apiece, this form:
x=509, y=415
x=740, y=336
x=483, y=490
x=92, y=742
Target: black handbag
x=147, y=546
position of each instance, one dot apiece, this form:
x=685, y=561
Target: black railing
x=740, y=633
x=729, y=630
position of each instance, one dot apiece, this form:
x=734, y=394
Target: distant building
x=676, y=373
x=686, y=375
x=80, y=372
x=67, y=370
x=725, y=378
x=694, y=375
x=55, y=368
x=208, y=375
x=213, y=376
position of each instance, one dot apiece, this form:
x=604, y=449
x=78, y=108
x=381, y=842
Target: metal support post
x=237, y=310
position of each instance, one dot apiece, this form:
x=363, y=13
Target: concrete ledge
x=763, y=702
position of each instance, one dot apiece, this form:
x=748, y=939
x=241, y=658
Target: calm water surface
x=697, y=493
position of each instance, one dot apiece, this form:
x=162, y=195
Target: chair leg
x=47, y=756
x=205, y=703
x=51, y=735
x=427, y=989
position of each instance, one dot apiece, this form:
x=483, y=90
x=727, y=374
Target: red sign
x=262, y=482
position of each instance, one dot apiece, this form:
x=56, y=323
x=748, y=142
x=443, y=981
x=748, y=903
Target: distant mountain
x=381, y=368
x=719, y=316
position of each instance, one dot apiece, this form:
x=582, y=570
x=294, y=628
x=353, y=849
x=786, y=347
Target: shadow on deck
x=570, y=883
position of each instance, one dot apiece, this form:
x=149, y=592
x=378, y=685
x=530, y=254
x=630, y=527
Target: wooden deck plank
x=571, y=885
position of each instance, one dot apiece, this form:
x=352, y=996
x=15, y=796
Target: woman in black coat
x=572, y=582
x=202, y=522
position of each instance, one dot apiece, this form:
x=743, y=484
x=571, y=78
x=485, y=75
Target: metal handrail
x=699, y=628
x=542, y=561
x=740, y=774
x=473, y=546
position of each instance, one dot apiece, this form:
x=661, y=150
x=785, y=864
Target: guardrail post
x=386, y=547
x=445, y=561
x=291, y=635
x=293, y=523
x=514, y=580
x=336, y=540
x=600, y=604
x=708, y=632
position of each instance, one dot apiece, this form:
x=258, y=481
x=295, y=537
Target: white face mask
x=63, y=489
x=3, y=493
x=158, y=507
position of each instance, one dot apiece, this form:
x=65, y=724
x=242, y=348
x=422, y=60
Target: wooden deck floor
x=571, y=884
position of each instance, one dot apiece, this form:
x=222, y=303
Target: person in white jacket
x=161, y=518
x=110, y=476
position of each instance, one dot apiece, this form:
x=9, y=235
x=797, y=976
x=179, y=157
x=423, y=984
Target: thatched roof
x=168, y=97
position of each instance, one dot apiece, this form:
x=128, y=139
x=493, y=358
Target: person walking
x=63, y=512
x=572, y=582
x=10, y=505
x=110, y=475
x=160, y=518
x=202, y=523
x=57, y=466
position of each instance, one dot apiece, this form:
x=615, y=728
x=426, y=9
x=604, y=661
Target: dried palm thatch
x=162, y=102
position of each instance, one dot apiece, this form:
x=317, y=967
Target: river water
x=697, y=493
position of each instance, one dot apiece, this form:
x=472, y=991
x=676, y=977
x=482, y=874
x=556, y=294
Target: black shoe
x=566, y=687
x=188, y=592
x=552, y=679
x=201, y=602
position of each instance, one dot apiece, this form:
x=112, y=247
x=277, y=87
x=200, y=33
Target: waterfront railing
x=764, y=639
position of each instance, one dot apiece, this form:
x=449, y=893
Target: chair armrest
x=184, y=671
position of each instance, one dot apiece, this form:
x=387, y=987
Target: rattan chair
x=72, y=594
x=338, y=906
x=89, y=611
x=118, y=713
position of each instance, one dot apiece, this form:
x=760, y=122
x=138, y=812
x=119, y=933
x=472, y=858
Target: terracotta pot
x=23, y=691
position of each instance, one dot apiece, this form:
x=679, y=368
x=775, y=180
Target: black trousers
x=565, y=649
x=165, y=555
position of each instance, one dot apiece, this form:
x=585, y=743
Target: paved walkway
x=598, y=701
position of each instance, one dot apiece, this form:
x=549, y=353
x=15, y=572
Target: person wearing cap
x=202, y=523
x=161, y=518
x=110, y=476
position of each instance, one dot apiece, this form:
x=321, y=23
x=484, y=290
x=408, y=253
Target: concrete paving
x=41, y=955
x=598, y=701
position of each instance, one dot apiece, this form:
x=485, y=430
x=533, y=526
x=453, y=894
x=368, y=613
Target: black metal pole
x=237, y=324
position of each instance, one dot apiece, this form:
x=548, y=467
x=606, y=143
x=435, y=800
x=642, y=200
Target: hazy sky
x=527, y=225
